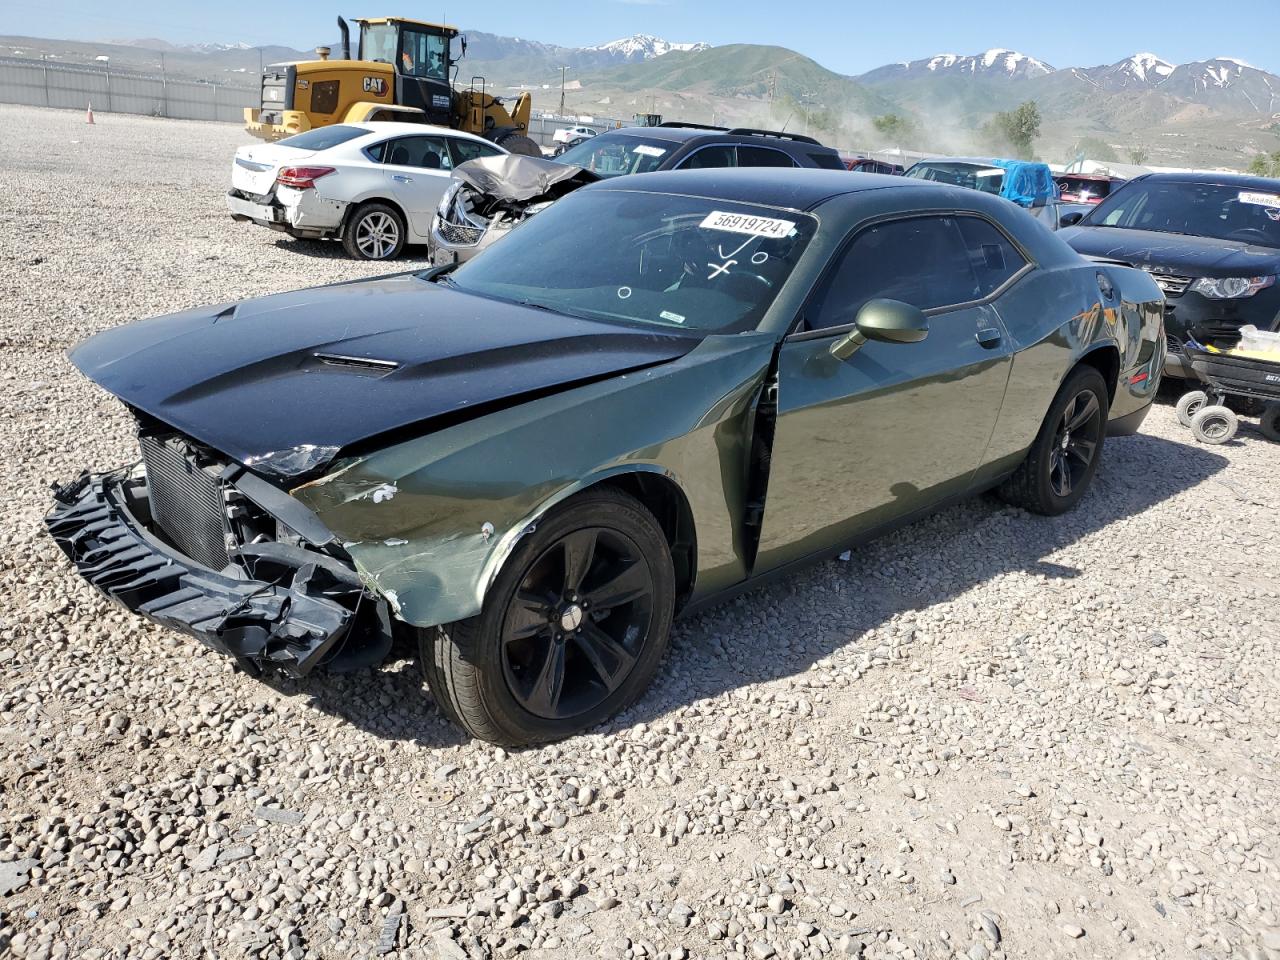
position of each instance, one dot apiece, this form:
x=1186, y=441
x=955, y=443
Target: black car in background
x=1210, y=240
x=688, y=146
x=867, y=165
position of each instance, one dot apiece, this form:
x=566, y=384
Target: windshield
x=655, y=259
x=971, y=176
x=378, y=42
x=1198, y=209
x=613, y=154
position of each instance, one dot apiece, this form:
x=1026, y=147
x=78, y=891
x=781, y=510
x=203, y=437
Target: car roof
x=398, y=128
x=685, y=134
x=1216, y=179
x=800, y=189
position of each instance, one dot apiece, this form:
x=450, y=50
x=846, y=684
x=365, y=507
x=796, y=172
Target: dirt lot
x=990, y=735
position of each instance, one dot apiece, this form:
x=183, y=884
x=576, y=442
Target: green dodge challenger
x=651, y=395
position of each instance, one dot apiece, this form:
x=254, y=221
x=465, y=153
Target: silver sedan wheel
x=377, y=235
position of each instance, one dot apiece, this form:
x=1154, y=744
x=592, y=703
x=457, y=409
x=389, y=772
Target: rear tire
x=1214, y=425
x=375, y=231
x=561, y=644
x=1064, y=457
x=1189, y=405
x=1269, y=423
x=519, y=143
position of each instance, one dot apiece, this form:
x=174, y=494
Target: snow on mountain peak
x=994, y=61
x=1142, y=65
x=644, y=46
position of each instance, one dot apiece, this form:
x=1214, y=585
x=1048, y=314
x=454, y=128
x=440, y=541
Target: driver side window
x=922, y=261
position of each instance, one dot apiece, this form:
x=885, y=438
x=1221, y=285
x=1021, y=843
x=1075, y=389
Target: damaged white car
x=491, y=195
x=373, y=186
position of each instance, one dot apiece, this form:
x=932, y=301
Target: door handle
x=401, y=178
x=987, y=337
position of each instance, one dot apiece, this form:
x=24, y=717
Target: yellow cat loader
x=403, y=70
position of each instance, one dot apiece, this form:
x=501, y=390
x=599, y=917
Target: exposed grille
x=457, y=234
x=1173, y=343
x=186, y=501
x=1172, y=286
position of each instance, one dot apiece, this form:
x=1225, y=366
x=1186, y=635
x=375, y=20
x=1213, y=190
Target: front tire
x=571, y=632
x=1269, y=423
x=1064, y=457
x=376, y=231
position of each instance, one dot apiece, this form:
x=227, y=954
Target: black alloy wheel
x=571, y=631
x=574, y=629
x=1060, y=465
x=1075, y=443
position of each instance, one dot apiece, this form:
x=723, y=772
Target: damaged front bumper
x=291, y=622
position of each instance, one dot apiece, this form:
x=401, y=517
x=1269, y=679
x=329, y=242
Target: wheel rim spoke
x=549, y=684
x=630, y=583
x=579, y=552
x=529, y=616
x=1076, y=416
x=608, y=658
x=1082, y=449
x=1060, y=474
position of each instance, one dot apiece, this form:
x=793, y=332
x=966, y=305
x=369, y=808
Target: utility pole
x=164, y=88
x=773, y=84
x=562, y=70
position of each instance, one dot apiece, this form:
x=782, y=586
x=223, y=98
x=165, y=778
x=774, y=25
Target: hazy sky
x=848, y=36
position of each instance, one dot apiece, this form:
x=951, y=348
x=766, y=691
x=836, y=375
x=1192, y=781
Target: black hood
x=284, y=382
x=1182, y=255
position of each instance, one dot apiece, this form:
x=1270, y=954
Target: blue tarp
x=1025, y=183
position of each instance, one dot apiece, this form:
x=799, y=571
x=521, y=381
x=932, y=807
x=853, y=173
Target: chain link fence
x=40, y=83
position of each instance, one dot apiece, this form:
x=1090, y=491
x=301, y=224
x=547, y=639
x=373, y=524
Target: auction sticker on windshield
x=647, y=151
x=752, y=226
x=1261, y=199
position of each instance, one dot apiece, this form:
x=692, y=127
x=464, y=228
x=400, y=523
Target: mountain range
x=1217, y=111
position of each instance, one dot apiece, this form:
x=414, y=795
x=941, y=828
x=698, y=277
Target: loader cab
x=421, y=55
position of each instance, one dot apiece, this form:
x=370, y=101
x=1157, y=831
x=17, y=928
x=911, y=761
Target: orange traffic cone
x=88, y=117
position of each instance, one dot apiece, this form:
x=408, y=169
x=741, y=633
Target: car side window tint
x=428, y=153
x=464, y=150
x=922, y=261
x=993, y=257
x=763, y=157
x=710, y=157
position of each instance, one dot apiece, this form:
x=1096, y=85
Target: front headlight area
x=1231, y=288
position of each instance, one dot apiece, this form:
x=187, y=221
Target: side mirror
x=462, y=44
x=1070, y=219
x=888, y=321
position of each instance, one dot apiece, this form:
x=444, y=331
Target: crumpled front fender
x=429, y=522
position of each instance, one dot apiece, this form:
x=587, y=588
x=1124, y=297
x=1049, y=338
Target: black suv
x=1210, y=240
x=687, y=146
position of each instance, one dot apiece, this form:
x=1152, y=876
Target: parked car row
x=1211, y=241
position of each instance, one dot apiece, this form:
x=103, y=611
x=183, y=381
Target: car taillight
x=302, y=178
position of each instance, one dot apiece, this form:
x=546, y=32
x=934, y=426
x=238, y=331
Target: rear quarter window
x=323, y=138
x=827, y=161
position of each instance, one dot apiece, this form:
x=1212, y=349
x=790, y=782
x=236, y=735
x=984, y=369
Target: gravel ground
x=989, y=735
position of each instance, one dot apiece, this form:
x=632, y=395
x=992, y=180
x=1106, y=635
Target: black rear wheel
x=571, y=631
x=1064, y=457
x=519, y=143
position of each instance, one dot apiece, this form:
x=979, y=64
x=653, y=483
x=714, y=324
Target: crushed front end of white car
x=491, y=195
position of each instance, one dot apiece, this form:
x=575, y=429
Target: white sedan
x=572, y=133
x=374, y=186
